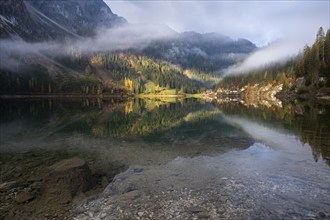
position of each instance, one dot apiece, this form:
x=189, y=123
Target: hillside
x=82, y=47
x=40, y=20
x=209, y=52
x=305, y=76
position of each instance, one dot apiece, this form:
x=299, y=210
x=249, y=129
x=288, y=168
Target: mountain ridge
x=166, y=59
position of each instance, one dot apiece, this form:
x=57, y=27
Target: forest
x=130, y=73
x=310, y=70
x=119, y=72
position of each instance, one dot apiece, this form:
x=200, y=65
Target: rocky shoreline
x=163, y=193
x=67, y=189
x=47, y=192
x=269, y=95
x=249, y=95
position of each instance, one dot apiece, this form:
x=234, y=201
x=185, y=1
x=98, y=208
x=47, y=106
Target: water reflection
x=230, y=148
x=173, y=122
x=308, y=123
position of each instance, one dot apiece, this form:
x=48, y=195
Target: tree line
x=312, y=66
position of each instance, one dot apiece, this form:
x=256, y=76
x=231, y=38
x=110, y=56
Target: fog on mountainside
x=77, y=20
x=87, y=41
x=276, y=52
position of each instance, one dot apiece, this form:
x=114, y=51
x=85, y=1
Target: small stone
x=80, y=210
x=7, y=186
x=203, y=215
x=140, y=214
x=310, y=215
x=322, y=215
x=137, y=170
x=90, y=215
x=24, y=197
x=103, y=215
x=130, y=195
x=195, y=209
x=36, y=185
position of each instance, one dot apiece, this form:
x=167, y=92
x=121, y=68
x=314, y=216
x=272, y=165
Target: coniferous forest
x=309, y=71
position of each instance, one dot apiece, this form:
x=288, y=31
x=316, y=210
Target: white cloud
x=275, y=52
x=129, y=36
x=259, y=21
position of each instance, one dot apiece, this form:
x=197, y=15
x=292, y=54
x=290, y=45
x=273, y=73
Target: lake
x=169, y=158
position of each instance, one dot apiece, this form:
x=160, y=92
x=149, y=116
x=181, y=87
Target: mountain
x=210, y=52
x=37, y=20
x=81, y=17
x=16, y=22
x=82, y=47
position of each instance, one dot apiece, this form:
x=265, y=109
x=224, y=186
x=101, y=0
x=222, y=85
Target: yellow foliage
x=128, y=107
x=96, y=60
x=128, y=84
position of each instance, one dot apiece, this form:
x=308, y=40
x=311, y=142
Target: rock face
x=77, y=16
x=16, y=22
x=209, y=51
x=66, y=179
x=39, y=20
x=249, y=95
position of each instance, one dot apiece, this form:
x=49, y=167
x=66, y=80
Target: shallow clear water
x=244, y=161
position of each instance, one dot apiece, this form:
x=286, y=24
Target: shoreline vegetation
x=304, y=77
x=11, y=96
x=268, y=91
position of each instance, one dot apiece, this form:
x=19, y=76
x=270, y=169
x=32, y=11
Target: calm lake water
x=230, y=160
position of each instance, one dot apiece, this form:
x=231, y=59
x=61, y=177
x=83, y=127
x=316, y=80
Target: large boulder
x=67, y=178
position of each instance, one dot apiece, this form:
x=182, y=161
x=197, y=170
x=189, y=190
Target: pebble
x=203, y=215
x=24, y=197
x=80, y=209
x=140, y=214
x=103, y=215
x=322, y=215
x=195, y=209
x=310, y=215
x=90, y=215
x=7, y=186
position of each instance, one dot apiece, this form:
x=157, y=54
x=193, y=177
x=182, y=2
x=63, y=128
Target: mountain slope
x=81, y=47
x=80, y=17
x=16, y=22
x=39, y=20
x=209, y=52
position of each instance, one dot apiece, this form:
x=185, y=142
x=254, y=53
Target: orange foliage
x=96, y=60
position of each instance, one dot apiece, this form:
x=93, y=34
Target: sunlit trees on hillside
x=313, y=65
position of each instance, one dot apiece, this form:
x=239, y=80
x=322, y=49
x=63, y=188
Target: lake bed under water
x=170, y=159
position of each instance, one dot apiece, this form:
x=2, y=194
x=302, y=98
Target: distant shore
x=61, y=96
x=11, y=96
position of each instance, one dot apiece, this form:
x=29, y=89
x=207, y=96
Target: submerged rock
x=23, y=197
x=67, y=178
x=7, y=186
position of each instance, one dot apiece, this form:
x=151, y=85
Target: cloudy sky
x=262, y=22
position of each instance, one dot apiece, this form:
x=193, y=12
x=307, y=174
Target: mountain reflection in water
x=186, y=125
x=217, y=150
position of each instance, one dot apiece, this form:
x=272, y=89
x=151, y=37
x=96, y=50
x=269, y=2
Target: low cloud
x=276, y=52
x=125, y=37
x=280, y=28
x=14, y=52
